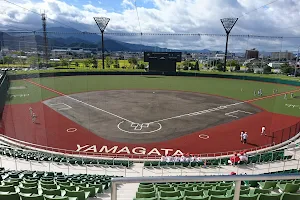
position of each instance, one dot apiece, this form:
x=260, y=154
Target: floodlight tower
x=45, y=38
x=102, y=23
x=228, y=24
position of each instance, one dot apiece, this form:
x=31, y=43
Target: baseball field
x=150, y=115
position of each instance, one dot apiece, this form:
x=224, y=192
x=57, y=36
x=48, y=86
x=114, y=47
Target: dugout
x=162, y=61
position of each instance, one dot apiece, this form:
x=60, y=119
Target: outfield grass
x=224, y=87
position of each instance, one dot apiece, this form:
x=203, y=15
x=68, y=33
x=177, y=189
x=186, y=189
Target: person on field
x=292, y=95
x=263, y=130
x=242, y=133
x=33, y=117
x=254, y=92
x=245, y=137
x=285, y=96
x=30, y=111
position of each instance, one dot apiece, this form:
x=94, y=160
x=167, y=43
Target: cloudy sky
x=279, y=18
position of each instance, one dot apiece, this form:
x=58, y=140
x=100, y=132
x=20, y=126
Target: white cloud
x=172, y=16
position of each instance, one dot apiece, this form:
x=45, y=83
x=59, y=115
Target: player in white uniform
x=263, y=130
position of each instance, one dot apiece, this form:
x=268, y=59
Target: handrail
x=176, y=179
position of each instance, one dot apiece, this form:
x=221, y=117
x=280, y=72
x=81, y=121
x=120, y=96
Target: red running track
x=51, y=131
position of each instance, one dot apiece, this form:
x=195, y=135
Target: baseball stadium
x=130, y=114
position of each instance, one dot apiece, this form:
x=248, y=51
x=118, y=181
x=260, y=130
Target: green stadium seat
x=29, y=184
x=288, y=187
x=47, y=181
x=201, y=187
x=93, y=190
x=189, y=193
x=217, y=192
x=14, y=183
x=142, y=185
x=165, y=188
x=244, y=187
x=100, y=187
x=228, y=187
x=31, y=197
x=249, y=197
x=29, y=190
x=55, y=192
x=221, y=197
x=290, y=196
x=9, y=196
x=145, y=189
x=70, y=187
x=197, y=198
x=56, y=198
x=267, y=184
x=170, y=194
x=260, y=191
x=242, y=192
x=145, y=194
x=81, y=195
x=7, y=188
x=180, y=188
x=49, y=186
x=172, y=198
x=269, y=197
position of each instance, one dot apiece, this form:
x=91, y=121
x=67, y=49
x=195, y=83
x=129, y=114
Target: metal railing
x=177, y=179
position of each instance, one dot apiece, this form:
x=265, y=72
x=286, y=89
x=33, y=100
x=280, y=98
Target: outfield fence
x=285, y=134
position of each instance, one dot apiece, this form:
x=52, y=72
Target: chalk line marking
x=64, y=95
x=66, y=106
x=198, y=112
x=141, y=125
x=71, y=130
x=203, y=136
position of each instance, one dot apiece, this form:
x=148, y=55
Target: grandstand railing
x=276, y=138
x=177, y=179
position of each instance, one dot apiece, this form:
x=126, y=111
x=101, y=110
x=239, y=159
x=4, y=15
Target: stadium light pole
x=228, y=24
x=102, y=23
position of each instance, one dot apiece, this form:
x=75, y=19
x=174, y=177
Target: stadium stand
x=37, y=185
x=265, y=157
x=42, y=156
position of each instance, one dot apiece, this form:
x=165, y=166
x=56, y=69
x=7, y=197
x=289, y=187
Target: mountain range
x=61, y=37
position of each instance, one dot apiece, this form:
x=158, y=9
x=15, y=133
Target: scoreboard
x=162, y=61
x=174, y=56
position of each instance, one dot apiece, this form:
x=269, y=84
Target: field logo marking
x=204, y=136
x=231, y=114
x=139, y=128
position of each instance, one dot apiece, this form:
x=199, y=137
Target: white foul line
x=99, y=109
x=198, y=112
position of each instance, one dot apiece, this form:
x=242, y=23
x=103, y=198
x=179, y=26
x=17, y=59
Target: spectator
x=234, y=159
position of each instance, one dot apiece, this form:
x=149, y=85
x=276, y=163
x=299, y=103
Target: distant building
x=253, y=53
x=282, y=55
x=56, y=53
